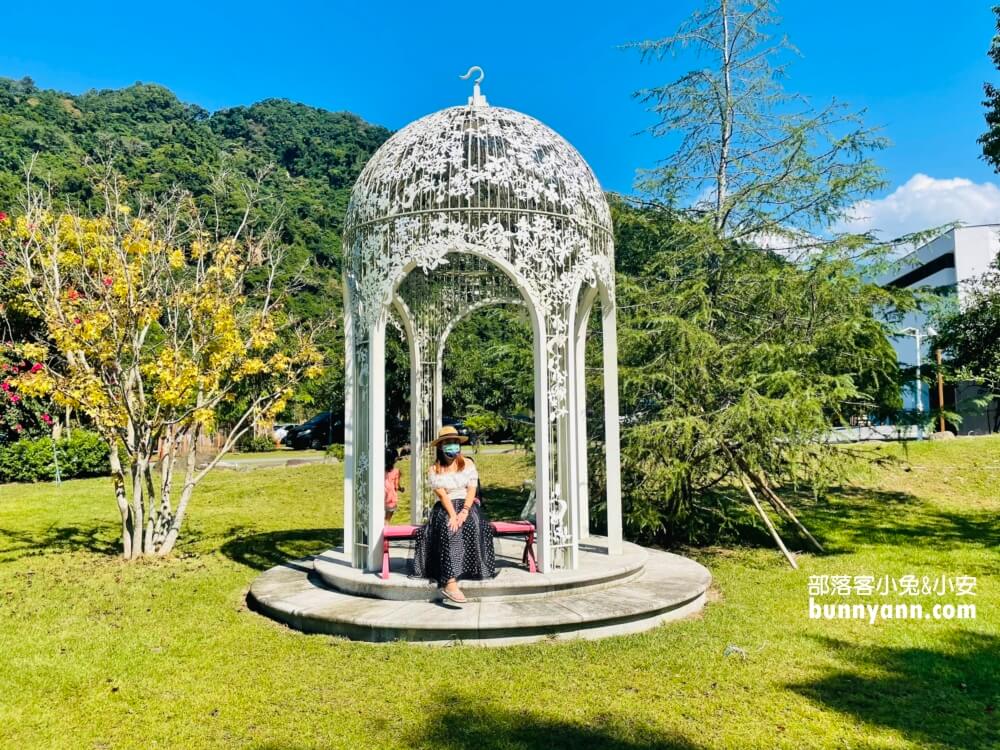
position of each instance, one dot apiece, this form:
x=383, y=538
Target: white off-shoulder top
x=455, y=483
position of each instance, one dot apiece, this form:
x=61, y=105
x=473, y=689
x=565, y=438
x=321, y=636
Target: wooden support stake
x=780, y=506
x=767, y=521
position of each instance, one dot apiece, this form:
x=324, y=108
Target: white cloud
x=924, y=202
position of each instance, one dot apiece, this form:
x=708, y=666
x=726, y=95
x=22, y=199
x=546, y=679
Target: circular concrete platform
x=595, y=570
x=606, y=595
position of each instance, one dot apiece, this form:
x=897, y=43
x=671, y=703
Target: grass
x=96, y=653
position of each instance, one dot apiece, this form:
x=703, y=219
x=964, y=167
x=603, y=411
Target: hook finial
x=468, y=75
x=477, y=99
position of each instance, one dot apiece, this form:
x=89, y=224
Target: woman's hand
x=462, y=516
x=454, y=522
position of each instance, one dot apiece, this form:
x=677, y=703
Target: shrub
x=83, y=454
x=483, y=422
x=256, y=444
x=336, y=451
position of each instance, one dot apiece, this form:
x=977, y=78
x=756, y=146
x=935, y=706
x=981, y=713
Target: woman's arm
x=453, y=522
x=470, y=491
x=470, y=498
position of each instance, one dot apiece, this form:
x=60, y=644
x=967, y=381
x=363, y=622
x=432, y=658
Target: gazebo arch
x=470, y=206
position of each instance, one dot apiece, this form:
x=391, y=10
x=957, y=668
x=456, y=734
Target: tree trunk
x=165, y=515
x=138, y=467
x=152, y=516
x=726, y=115
x=118, y=482
x=189, y=483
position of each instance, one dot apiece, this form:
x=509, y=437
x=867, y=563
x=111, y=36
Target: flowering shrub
x=21, y=416
x=150, y=323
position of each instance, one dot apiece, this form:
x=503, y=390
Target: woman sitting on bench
x=457, y=541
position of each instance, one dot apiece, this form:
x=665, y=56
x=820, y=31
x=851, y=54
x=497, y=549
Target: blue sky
x=917, y=66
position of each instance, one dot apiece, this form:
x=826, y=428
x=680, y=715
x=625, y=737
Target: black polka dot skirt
x=441, y=554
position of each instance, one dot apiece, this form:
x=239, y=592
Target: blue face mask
x=451, y=449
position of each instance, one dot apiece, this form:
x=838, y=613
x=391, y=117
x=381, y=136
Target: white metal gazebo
x=472, y=206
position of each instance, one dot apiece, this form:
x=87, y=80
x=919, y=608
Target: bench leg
x=529, y=554
x=385, y=561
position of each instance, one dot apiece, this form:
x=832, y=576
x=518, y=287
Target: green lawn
x=95, y=653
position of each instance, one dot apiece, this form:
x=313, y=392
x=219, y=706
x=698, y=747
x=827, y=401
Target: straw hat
x=448, y=434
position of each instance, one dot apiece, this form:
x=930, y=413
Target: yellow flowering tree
x=153, y=323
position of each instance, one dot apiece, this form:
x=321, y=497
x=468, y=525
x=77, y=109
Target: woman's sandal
x=448, y=595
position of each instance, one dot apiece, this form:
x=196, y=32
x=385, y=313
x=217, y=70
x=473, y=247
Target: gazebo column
x=350, y=383
x=416, y=443
x=566, y=444
x=577, y=389
x=371, y=463
x=437, y=389
x=414, y=337
x=542, y=448
x=427, y=430
x=612, y=440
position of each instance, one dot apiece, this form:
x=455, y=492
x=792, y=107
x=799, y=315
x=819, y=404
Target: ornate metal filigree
x=488, y=181
x=491, y=205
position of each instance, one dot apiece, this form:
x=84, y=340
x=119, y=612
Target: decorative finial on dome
x=477, y=99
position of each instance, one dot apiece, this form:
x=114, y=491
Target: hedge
x=256, y=444
x=83, y=454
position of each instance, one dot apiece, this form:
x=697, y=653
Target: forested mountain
x=158, y=141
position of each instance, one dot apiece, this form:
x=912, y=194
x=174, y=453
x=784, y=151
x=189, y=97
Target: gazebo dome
x=477, y=158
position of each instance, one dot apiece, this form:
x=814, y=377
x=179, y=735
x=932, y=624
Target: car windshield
x=317, y=419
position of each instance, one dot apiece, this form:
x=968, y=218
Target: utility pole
x=940, y=383
x=919, y=389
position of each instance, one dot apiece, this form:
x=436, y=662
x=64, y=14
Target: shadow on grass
x=849, y=517
x=945, y=696
x=503, y=503
x=100, y=540
x=854, y=516
x=264, y=550
x=466, y=723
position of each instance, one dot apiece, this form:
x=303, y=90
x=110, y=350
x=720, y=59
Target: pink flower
x=108, y=281
x=5, y=386
x=18, y=427
x=73, y=294
x=47, y=419
x=3, y=217
x=77, y=321
x=37, y=367
x=14, y=398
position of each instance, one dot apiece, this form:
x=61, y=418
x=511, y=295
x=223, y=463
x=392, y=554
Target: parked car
x=280, y=431
x=319, y=432
x=397, y=435
x=459, y=424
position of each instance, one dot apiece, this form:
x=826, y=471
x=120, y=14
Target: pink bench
x=405, y=532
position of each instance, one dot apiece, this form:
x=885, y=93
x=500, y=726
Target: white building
x=946, y=264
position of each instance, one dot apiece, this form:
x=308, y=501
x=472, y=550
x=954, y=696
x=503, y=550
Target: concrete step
x=669, y=587
x=596, y=570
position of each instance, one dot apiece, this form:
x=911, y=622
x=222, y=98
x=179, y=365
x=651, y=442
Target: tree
x=153, y=322
x=970, y=338
x=735, y=368
x=757, y=160
x=990, y=140
x=748, y=330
